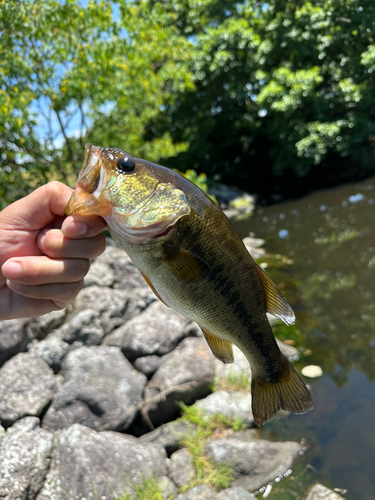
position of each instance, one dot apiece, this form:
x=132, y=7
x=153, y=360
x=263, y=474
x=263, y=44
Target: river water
x=328, y=275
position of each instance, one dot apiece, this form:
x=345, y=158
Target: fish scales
x=195, y=262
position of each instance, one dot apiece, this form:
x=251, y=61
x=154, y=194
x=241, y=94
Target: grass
x=234, y=381
x=147, y=490
x=218, y=476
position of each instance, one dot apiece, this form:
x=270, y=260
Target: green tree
x=282, y=88
x=72, y=73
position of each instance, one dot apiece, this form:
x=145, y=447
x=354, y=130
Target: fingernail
x=12, y=270
x=75, y=229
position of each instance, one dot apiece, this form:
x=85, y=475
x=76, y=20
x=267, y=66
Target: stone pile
x=79, y=385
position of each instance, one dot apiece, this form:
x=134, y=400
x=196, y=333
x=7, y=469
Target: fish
x=194, y=261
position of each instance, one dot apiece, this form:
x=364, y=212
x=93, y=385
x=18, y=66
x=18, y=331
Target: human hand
x=44, y=256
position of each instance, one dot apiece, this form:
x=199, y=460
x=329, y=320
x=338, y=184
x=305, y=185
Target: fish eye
x=125, y=164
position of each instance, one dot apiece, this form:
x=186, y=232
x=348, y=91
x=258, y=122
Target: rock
x=320, y=492
x=13, y=338
x=289, y=351
x=233, y=404
x=240, y=367
x=87, y=463
x=167, y=488
x=312, y=371
x=202, y=492
x=84, y=327
x=169, y=435
x=254, y=462
x=181, y=469
x=186, y=374
x=101, y=388
x=2, y=433
x=25, y=455
x=41, y=326
x=236, y=493
x=51, y=350
x=254, y=246
x=157, y=330
x=118, y=313
x=102, y=299
x=100, y=274
x=127, y=276
x=225, y=194
x=147, y=364
x=27, y=385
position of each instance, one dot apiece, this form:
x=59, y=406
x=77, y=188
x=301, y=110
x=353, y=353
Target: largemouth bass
x=194, y=261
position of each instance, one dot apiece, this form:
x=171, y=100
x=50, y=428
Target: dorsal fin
x=221, y=349
x=276, y=302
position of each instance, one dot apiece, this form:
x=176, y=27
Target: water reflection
x=330, y=237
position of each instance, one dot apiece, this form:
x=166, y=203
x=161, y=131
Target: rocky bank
x=90, y=399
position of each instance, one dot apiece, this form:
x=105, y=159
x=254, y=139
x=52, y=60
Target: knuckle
x=99, y=245
x=83, y=268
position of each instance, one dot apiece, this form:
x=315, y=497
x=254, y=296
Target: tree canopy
x=242, y=90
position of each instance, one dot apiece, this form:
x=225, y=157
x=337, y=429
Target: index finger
x=83, y=226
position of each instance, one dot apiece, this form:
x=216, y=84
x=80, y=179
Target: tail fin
x=287, y=393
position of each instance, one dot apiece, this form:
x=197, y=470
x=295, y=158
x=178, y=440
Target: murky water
x=329, y=240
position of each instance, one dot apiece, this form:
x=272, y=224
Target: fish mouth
x=83, y=200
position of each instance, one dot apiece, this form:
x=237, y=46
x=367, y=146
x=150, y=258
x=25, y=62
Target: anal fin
x=221, y=349
x=276, y=302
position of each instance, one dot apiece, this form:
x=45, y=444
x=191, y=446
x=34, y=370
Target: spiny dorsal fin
x=276, y=302
x=221, y=349
x=183, y=264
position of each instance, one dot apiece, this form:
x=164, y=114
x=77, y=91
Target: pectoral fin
x=221, y=349
x=184, y=264
x=153, y=289
x=276, y=302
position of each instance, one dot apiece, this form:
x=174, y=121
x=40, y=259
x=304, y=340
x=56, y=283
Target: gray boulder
x=86, y=463
x=202, y=492
x=289, y=351
x=157, y=330
x=25, y=455
x=102, y=299
x=320, y=492
x=127, y=276
x=186, y=374
x=167, y=487
x=240, y=367
x=181, y=468
x=27, y=385
x=13, y=338
x=51, y=350
x=148, y=364
x=101, y=388
x=235, y=493
x=254, y=462
x=169, y=435
x=84, y=327
x=233, y=404
x=101, y=274
x=41, y=326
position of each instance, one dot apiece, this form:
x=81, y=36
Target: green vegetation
x=148, y=490
x=233, y=381
x=219, y=475
x=247, y=92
